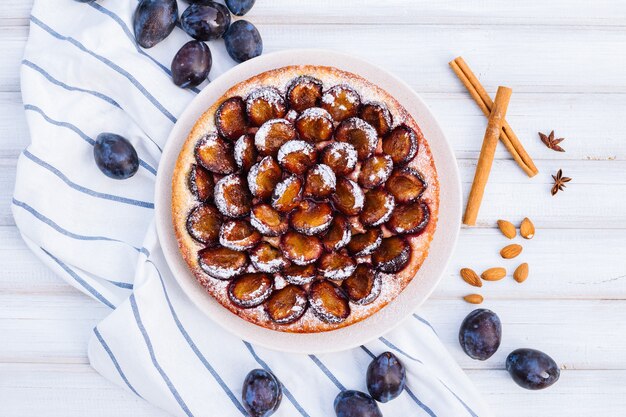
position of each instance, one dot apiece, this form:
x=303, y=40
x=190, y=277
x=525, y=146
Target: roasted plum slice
x=377, y=209
x=250, y=290
x=287, y=194
x=296, y=156
x=401, y=144
x=272, y=135
x=358, y=133
x=410, y=218
x=299, y=274
x=263, y=177
x=336, y=265
x=341, y=157
x=304, y=92
x=348, y=197
x=268, y=221
x=239, y=235
x=231, y=119
x=215, y=154
x=245, y=152
x=222, y=263
x=341, y=101
x=203, y=224
x=267, y=258
x=287, y=304
x=364, y=244
x=263, y=104
x=377, y=115
x=301, y=249
x=328, y=302
x=392, y=255
x=232, y=197
x=311, y=218
x=363, y=286
x=320, y=182
x=406, y=185
x=315, y=125
x=291, y=116
x=375, y=171
x=201, y=183
x=338, y=235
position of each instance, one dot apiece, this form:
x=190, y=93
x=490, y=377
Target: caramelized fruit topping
x=341, y=101
x=312, y=218
x=304, y=92
x=287, y=194
x=315, y=125
x=348, y=197
x=201, y=183
x=377, y=208
x=272, y=135
x=287, y=304
x=267, y=258
x=299, y=274
x=296, y=156
x=203, y=224
x=263, y=104
x=359, y=134
x=406, y=185
x=232, y=197
x=365, y=244
x=239, y=235
x=215, y=154
x=231, y=119
x=328, y=302
x=338, y=235
x=245, y=152
x=401, y=144
x=410, y=218
x=250, y=290
x=268, y=221
x=320, y=182
x=341, y=157
x=375, y=171
x=336, y=265
x=222, y=263
x=263, y=177
x=301, y=249
x=363, y=286
x=377, y=115
x=392, y=255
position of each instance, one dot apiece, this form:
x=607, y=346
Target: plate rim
x=371, y=327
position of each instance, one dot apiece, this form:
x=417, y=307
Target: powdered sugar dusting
x=260, y=138
x=240, y=147
x=293, y=146
x=389, y=205
x=326, y=174
x=314, y=113
x=220, y=199
x=340, y=150
x=354, y=123
x=268, y=94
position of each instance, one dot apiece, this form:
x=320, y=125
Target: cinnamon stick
x=487, y=152
x=480, y=96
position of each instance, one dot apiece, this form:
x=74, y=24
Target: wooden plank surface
x=561, y=58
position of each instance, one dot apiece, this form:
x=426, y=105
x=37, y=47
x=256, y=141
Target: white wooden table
x=566, y=63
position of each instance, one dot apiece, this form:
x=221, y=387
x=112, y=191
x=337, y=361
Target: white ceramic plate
x=418, y=289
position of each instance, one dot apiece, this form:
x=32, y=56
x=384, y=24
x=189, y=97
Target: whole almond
x=527, y=229
x=473, y=298
x=493, y=274
x=507, y=228
x=521, y=273
x=511, y=251
x=471, y=277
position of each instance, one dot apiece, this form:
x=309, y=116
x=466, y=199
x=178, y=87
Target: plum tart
x=305, y=199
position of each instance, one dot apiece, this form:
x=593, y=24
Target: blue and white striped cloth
x=84, y=74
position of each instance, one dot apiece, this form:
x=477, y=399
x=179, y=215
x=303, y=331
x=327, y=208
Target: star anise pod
x=552, y=143
x=559, y=182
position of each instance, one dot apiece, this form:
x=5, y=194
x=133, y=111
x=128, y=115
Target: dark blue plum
x=240, y=7
x=243, y=41
x=532, y=369
x=480, y=334
x=261, y=393
x=191, y=64
x=356, y=404
x=206, y=22
x=115, y=156
x=386, y=377
x=154, y=20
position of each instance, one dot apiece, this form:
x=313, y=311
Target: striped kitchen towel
x=83, y=74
